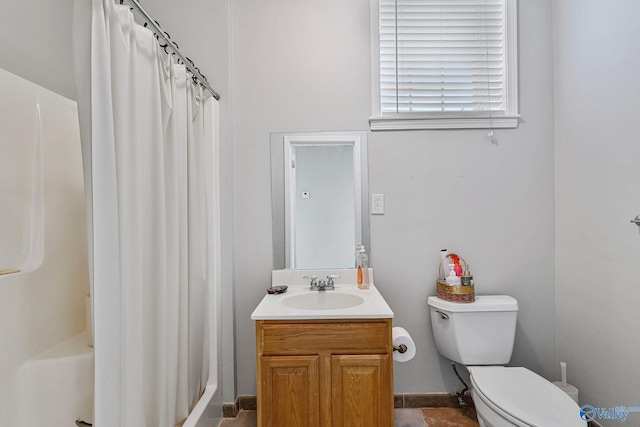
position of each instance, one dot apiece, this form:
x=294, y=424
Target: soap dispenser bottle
x=357, y=254
x=467, y=278
x=363, y=269
x=452, y=278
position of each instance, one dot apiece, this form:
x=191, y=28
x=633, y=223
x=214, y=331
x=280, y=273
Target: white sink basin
x=322, y=300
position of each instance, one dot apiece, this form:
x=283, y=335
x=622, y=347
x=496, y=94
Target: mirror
x=319, y=188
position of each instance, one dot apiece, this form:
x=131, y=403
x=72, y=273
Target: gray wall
x=597, y=69
x=305, y=66
x=35, y=43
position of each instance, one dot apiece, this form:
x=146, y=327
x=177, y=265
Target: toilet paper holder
x=400, y=348
x=404, y=349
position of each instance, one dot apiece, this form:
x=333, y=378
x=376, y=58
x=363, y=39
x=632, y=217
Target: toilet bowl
x=480, y=336
x=514, y=396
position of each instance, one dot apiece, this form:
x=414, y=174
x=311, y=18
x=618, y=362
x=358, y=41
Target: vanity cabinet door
x=289, y=391
x=324, y=373
x=360, y=388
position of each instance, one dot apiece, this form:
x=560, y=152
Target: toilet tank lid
x=482, y=303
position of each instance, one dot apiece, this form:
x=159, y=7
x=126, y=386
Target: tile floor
x=404, y=417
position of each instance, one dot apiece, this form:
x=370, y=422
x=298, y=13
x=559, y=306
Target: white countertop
x=276, y=307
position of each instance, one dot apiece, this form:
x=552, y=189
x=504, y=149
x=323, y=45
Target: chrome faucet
x=322, y=285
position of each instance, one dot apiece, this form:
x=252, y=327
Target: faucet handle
x=314, y=284
x=330, y=278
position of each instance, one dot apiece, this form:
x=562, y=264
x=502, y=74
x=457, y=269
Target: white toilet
x=480, y=336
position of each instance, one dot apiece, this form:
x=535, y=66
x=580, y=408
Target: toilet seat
x=524, y=397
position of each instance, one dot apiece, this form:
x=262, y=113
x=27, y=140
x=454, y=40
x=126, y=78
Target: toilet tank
x=477, y=333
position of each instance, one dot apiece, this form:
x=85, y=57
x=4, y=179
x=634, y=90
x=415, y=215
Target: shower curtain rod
x=172, y=45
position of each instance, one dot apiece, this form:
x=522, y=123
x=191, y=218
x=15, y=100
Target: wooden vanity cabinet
x=324, y=373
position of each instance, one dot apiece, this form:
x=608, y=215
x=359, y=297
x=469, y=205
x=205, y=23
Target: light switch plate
x=377, y=204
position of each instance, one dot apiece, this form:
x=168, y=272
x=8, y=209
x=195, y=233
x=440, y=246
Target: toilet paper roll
x=401, y=337
x=569, y=389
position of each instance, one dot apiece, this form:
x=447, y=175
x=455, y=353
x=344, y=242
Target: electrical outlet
x=377, y=204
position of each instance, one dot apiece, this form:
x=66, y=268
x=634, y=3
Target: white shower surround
x=43, y=305
x=59, y=382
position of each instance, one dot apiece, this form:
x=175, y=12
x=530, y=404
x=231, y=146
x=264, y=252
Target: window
x=442, y=64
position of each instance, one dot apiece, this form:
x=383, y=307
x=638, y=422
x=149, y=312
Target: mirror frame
x=280, y=148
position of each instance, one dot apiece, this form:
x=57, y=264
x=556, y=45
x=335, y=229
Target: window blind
x=442, y=56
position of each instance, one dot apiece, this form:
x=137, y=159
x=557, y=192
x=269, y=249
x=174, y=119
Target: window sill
x=409, y=122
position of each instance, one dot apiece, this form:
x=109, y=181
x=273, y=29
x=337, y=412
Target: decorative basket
x=455, y=293
x=462, y=294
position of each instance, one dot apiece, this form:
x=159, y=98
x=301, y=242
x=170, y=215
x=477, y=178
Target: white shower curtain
x=147, y=155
